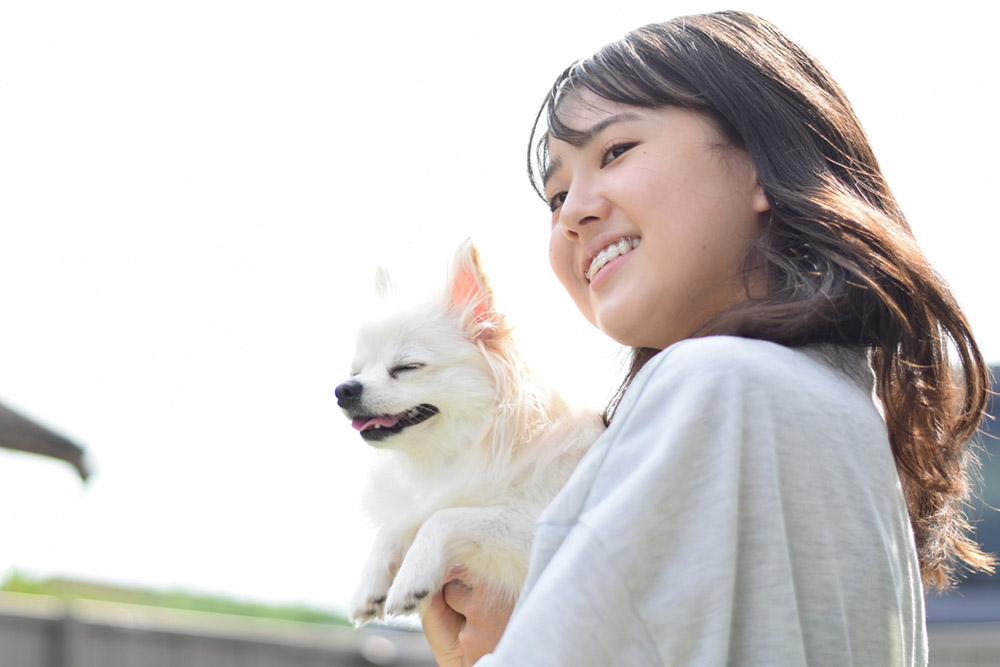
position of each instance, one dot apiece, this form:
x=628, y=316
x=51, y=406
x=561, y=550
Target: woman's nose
x=584, y=204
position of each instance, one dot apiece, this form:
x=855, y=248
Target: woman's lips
x=612, y=251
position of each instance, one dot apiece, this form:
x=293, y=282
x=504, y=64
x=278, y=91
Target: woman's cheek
x=563, y=264
x=561, y=260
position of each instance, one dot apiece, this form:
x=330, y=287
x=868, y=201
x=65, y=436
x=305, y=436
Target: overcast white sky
x=194, y=196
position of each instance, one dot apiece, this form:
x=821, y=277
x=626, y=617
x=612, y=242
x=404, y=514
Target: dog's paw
x=367, y=604
x=415, y=582
x=407, y=599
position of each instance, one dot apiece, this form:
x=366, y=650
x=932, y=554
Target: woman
x=716, y=207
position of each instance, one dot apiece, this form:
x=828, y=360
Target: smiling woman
x=686, y=203
x=716, y=207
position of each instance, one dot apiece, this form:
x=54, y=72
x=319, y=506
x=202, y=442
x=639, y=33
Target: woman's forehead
x=581, y=108
x=581, y=114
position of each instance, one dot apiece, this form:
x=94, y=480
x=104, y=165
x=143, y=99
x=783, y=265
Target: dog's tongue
x=363, y=424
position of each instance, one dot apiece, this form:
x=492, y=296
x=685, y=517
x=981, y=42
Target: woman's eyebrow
x=554, y=165
x=583, y=138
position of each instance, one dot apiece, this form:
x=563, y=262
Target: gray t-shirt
x=743, y=508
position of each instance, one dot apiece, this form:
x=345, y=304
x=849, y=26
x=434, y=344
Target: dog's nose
x=348, y=393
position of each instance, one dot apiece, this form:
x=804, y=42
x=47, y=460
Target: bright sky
x=194, y=197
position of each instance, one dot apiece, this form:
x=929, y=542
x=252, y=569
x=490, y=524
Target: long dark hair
x=840, y=261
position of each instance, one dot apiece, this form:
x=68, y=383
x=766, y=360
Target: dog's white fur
x=465, y=486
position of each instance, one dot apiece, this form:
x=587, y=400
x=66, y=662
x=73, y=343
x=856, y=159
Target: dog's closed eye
x=395, y=371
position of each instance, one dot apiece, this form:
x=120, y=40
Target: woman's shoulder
x=728, y=365
x=724, y=357
x=745, y=396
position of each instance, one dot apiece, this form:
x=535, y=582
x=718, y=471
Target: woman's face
x=653, y=217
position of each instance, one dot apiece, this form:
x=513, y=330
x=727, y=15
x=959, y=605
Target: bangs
x=637, y=71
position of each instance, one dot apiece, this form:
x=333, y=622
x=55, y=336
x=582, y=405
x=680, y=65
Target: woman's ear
x=758, y=198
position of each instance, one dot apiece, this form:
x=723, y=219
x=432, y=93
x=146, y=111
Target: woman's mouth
x=624, y=245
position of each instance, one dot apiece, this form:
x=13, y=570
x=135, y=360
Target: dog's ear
x=383, y=282
x=470, y=296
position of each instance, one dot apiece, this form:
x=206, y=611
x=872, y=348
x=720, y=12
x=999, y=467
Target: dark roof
x=20, y=433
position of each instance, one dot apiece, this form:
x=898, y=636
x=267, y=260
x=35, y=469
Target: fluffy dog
x=472, y=447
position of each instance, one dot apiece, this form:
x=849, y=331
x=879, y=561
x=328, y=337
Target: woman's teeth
x=624, y=245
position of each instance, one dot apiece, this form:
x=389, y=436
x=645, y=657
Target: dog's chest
x=405, y=501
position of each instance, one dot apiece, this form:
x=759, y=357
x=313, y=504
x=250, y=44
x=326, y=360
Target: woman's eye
x=616, y=152
x=556, y=200
x=402, y=368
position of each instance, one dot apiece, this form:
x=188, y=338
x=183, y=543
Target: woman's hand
x=461, y=623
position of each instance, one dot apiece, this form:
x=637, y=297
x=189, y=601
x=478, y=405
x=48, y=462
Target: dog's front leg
x=384, y=560
x=493, y=542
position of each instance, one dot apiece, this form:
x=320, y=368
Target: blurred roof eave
x=19, y=433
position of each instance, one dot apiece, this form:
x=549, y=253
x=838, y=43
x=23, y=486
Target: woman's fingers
x=485, y=617
x=463, y=621
x=457, y=594
x=442, y=626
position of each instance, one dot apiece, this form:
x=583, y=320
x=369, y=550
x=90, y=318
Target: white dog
x=472, y=448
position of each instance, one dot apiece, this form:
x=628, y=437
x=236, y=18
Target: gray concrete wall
x=44, y=632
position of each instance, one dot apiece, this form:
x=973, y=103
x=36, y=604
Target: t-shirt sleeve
x=579, y=613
